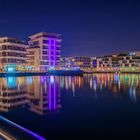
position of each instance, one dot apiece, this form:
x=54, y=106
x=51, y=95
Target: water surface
x=90, y=107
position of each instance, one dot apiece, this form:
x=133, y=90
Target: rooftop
x=11, y=39
x=44, y=34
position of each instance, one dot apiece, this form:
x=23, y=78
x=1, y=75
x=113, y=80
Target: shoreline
x=49, y=73
x=58, y=73
x=112, y=72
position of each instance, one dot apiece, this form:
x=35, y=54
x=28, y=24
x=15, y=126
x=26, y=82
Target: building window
x=31, y=53
x=35, y=43
x=44, y=52
x=45, y=41
x=44, y=57
x=52, y=41
x=45, y=47
x=52, y=47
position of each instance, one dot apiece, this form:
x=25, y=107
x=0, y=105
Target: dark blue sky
x=92, y=28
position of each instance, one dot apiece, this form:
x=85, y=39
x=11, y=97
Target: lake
x=89, y=107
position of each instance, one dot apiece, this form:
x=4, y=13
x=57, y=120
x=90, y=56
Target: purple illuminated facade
x=44, y=51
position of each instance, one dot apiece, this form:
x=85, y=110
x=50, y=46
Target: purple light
x=49, y=53
x=54, y=53
x=54, y=93
x=22, y=128
x=50, y=107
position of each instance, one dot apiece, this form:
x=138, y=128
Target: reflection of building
x=12, y=94
x=44, y=51
x=119, y=84
x=42, y=94
x=46, y=97
x=12, y=54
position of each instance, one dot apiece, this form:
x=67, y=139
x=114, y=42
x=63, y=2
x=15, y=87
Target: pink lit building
x=44, y=51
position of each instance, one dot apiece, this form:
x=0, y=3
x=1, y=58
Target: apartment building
x=66, y=63
x=12, y=54
x=79, y=62
x=125, y=62
x=44, y=51
x=33, y=59
x=129, y=61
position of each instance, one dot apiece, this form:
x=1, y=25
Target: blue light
x=10, y=69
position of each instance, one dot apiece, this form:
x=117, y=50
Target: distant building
x=81, y=62
x=129, y=61
x=66, y=63
x=12, y=54
x=44, y=51
x=94, y=62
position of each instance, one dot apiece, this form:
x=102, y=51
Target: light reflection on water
x=124, y=83
x=42, y=94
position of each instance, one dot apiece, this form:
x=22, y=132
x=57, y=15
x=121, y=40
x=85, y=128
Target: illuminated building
x=121, y=62
x=33, y=59
x=81, y=62
x=12, y=54
x=66, y=63
x=129, y=61
x=44, y=51
x=94, y=62
x=107, y=63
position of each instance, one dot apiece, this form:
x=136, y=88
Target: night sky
x=88, y=28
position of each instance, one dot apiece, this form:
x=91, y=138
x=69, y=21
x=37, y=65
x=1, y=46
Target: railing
x=12, y=131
